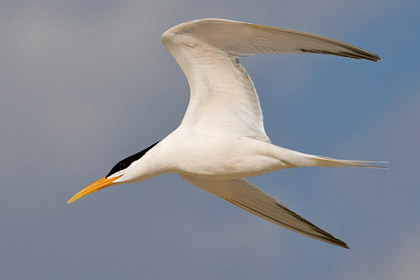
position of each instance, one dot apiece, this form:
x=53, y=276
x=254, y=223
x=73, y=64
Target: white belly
x=220, y=157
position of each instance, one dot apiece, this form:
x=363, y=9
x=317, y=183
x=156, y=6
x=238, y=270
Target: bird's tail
x=332, y=162
x=298, y=159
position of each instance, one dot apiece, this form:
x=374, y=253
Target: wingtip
x=334, y=241
x=343, y=244
x=370, y=56
x=375, y=58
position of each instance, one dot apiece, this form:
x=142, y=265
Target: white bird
x=221, y=139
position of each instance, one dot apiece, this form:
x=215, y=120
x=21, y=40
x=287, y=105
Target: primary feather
x=249, y=197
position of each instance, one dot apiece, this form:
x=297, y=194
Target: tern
x=221, y=139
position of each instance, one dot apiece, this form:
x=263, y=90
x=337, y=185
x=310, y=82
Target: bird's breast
x=218, y=157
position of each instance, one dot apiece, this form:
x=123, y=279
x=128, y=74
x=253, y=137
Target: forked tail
x=297, y=159
x=332, y=162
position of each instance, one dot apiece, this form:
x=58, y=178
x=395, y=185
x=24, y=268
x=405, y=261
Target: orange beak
x=100, y=184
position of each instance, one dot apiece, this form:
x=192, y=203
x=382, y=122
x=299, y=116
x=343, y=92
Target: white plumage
x=221, y=138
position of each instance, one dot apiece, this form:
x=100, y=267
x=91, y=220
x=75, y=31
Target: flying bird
x=221, y=139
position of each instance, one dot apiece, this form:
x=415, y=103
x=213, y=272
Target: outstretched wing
x=249, y=197
x=223, y=97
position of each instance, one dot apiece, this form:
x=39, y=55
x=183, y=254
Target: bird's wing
x=223, y=97
x=249, y=197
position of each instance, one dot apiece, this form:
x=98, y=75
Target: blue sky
x=86, y=83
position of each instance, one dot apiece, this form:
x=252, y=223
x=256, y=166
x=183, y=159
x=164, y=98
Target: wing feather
x=223, y=98
x=243, y=39
x=249, y=197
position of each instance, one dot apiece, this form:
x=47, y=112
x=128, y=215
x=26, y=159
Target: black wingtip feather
x=355, y=54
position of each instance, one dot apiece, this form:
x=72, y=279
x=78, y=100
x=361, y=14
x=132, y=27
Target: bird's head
x=120, y=170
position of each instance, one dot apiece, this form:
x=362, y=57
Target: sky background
x=84, y=84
